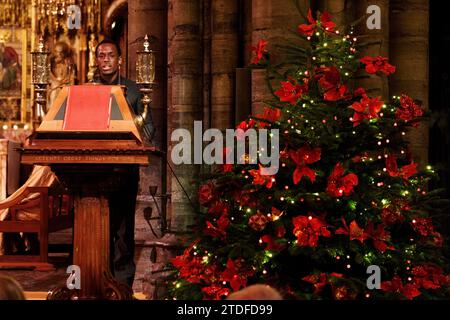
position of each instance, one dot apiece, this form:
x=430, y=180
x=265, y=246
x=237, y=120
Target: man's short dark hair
x=119, y=52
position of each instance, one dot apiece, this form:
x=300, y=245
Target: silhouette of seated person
x=10, y=289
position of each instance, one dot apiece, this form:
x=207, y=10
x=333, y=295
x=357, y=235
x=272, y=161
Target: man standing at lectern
x=122, y=204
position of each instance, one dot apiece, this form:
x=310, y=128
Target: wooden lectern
x=90, y=140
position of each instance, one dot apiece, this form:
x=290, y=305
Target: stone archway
x=116, y=9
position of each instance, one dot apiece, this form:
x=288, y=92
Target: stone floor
x=41, y=281
x=36, y=284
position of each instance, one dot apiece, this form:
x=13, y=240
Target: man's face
x=107, y=59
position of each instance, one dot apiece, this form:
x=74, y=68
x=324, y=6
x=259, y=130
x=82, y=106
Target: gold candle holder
x=40, y=80
x=145, y=77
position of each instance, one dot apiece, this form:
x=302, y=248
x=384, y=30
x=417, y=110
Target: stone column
x=185, y=96
x=245, y=32
x=207, y=25
x=375, y=85
x=409, y=53
x=149, y=17
x=261, y=24
x=337, y=9
x=271, y=20
x=224, y=57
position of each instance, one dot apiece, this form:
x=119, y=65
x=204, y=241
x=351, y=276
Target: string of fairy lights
x=285, y=195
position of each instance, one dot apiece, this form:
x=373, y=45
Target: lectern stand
x=90, y=140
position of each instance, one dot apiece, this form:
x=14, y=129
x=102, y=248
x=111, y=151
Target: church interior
x=192, y=61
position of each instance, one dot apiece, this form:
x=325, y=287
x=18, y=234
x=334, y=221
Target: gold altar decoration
x=41, y=74
x=22, y=23
x=72, y=25
x=13, y=76
x=54, y=15
x=14, y=13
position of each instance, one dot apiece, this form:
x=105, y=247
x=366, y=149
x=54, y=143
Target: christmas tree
x=347, y=194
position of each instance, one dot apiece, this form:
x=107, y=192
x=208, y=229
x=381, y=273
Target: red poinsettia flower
x=391, y=165
x=392, y=214
x=318, y=280
x=405, y=172
x=429, y=276
x=275, y=244
x=270, y=115
x=218, y=208
x=284, y=154
x=438, y=240
x=308, y=29
x=423, y=226
x=206, y=193
x=272, y=243
x=291, y=91
x=259, y=178
x=190, y=268
x=236, y=274
x=376, y=64
x=302, y=157
x=329, y=80
x=325, y=22
x=359, y=92
x=321, y=280
x=215, y=292
x=244, y=126
x=259, y=50
x=379, y=236
x=336, y=93
x=245, y=198
x=227, y=167
x=408, y=109
x=409, y=290
x=328, y=77
x=354, y=232
x=366, y=108
x=220, y=230
x=308, y=229
x=223, y=222
x=338, y=184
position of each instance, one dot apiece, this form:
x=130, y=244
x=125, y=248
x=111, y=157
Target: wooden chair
x=37, y=207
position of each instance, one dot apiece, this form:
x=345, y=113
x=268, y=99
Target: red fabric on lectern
x=88, y=108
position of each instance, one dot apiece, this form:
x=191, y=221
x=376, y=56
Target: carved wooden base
x=91, y=254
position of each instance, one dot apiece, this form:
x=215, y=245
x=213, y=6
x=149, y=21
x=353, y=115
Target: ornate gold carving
x=53, y=15
x=92, y=63
x=14, y=13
